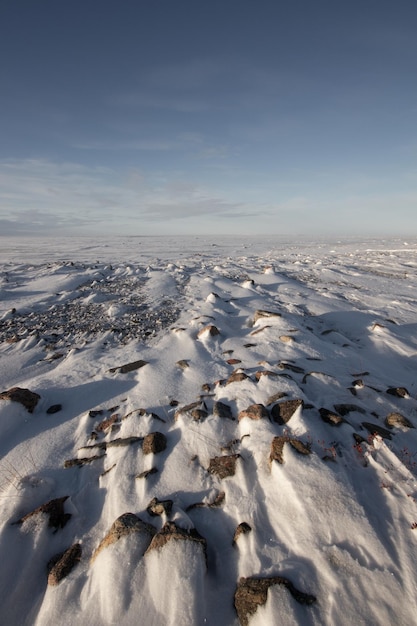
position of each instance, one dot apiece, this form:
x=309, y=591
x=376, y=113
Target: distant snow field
x=208, y=430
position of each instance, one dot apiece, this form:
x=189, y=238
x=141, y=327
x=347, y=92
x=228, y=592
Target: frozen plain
x=330, y=510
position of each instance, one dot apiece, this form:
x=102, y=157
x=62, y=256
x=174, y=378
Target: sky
x=228, y=116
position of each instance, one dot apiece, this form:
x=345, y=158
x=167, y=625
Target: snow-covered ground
x=300, y=510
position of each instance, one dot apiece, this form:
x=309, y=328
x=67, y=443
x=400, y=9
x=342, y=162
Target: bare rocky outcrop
x=125, y=525
x=277, y=448
x=63, y=563
x=29, y=399
x=282, y=413
x=54, y=509
x=254, y=412
x=154, y=443
x=171, y=532
x=396, y=420
x=253, y=592
x=223, y=466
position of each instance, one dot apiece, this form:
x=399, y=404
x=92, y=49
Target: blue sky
x=231, y=116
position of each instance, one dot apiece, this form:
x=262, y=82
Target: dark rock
x=95, y=413
x=277, y=448
x=399, y=392
x=289, y=366
x=275, y=397
x=125, y=525
x=62, y=564
x=154, y=443
x=198, y=415
x=157, y=507
x=330, y=417
x=223, y=466
x=210, y=330
x=222, y=410
x=254, y=412
x=345, y=409
x=83, y=461
x=242, y=529
x=236, y=377
x=396, y=420
x=261, y=314
x=54, y=509
x=55, y=408
x=107, y=423
x=147, y=473
x=375, y=429
x=29, y=399
x=233, y=361
x=189, y=407
x=171, y=532
x=281, y=413
x=253, y=592
x=129, y=367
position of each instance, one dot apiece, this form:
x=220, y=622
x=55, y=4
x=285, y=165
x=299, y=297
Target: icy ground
x=164, y=369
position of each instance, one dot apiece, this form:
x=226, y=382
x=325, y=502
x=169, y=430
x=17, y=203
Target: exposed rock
x=206, y=387
x=275, y=397
x=277, y=448
x=233, y=361
x=330, y=417
x=346, y=408
x=396, y=420
x=223, y=466
x=183, y=364
x=218, y=501
x=29, y=399
x=107, y=423
x=113, y=443
x=253, y=592
x=171, y=532
x=281, y=413
x=157, y=507
x=129, y=367
x=209, y=330
x=399, y=392
x=95, y=413
x=54, y=509
x=198, y=415
x=222, y=410
x=254, y=412
x=236, y=377
x=125, y=525
x=189, y=407
x=54, y=408
x=146, y=473
x=286, y=338
x=269, y=373
x=154, y=443
x=242, y=529
x=261, y=314
x=249, y=345
x=83, y=461
x=259, y=330
x=376, y=429
x=289, y=366
x=63, y=563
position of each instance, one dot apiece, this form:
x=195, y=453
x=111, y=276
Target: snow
x=339, y=523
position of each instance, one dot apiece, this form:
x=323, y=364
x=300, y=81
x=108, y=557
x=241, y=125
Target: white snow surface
x=340, y=523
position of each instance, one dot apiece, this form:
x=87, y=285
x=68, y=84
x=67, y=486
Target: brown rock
x=260, y=314
x=107, y=423
x=281, y=413
x=146, y=473
x=399, y=392
x=330, y=417
x=242, y=529
x=223, y=466
x=396, y=420
x=183, y=364
x=254, y=412
x=54, y=509
x=171, y=532
x=261, y=373
x=275, y=397
x=233, y=361
x=188, y=408
x=125, y=525
x=277, y=448
x=129, y=367
x=236, y=377
x=29, y=399
x=154, y=443
x=222, y=410
x=157, y=507
x=62, y=564
x=253, y=592
x=210, y=330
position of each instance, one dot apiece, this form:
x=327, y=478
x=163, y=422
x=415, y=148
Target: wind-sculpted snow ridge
x=250, y=458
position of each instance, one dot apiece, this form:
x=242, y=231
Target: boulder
x=254, y=412
x=281, y=413
x=223, y=466
x=63, y=563
x=125, y=525
x=154, y=443
x=29, y=399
